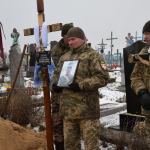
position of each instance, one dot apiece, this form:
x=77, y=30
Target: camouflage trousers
x=86, y=129
x=147, y=126
x=57, y=123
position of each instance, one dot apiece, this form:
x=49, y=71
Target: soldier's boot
x=59, y=145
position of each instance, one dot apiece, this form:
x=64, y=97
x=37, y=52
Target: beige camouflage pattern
x=57, y=123
x=85, y=129
x=147, y=126
x=140, y=79
x=58, y=50
x=90, y=76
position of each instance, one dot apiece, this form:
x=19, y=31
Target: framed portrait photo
x=68, y=72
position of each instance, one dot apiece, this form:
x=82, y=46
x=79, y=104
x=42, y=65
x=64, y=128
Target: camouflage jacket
x=140, y=77
x=90, y=76
x=57, y=51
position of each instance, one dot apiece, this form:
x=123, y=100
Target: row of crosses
x=103, y=45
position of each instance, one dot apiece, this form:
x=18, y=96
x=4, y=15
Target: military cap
x=76, y=32
x=65, y=28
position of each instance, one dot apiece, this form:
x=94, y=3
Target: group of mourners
x=75, y=108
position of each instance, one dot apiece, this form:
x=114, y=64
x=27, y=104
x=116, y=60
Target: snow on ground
x=111, y=95
x=109, y=147
x=111, y=120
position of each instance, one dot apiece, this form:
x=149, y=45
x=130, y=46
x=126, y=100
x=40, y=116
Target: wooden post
x=47, y=104
x=46, y=90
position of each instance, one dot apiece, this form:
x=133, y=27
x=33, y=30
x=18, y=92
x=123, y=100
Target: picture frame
x=68, y=72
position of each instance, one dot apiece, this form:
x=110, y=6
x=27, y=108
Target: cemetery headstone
x=32, y=52
x=14, y=58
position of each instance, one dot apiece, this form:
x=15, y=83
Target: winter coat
x=140, y=77
x=57, y=51
x=90, y=76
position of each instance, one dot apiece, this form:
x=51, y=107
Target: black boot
x=59, y=145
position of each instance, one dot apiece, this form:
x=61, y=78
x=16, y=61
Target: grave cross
x=102, y=46
x=46, y=90
x=136, y=37
x=111, y=44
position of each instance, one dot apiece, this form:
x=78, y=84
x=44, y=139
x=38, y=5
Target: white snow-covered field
x=111, y=96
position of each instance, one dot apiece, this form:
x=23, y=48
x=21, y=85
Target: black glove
x=56, y=88
x=74, y=87
x=145, y=99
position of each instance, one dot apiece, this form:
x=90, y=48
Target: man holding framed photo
x=79, y=101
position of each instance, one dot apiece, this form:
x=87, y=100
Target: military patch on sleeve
x=103, y=65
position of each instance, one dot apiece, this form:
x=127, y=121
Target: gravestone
x=53, y=43
x=32, y=52
x=133, y=101
x=14, y=58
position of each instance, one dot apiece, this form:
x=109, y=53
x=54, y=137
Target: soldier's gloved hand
x=74, y=87
x=145, y=99
x=42, y=75
x=56, y=88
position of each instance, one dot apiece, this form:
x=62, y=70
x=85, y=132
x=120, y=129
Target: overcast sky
x=96, y=17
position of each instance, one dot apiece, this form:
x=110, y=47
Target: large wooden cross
x=46, y=90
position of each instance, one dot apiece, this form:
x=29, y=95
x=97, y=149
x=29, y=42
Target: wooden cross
x=46, y=90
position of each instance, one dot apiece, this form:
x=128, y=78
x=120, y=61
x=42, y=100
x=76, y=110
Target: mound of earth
x=15, y=137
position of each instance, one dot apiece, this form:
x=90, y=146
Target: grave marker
x=111, y=44
x=46, y=90
x=102, y=46
x=136, y=36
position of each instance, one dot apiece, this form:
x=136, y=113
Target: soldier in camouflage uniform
x=60, y=49
x=140, y=81
x=79, y=103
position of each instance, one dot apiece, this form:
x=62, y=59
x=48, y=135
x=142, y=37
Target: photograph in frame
x=68, y=72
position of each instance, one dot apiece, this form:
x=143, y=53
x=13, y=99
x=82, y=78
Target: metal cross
x=102, y=46
x=111, y=44
x=136, y=37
